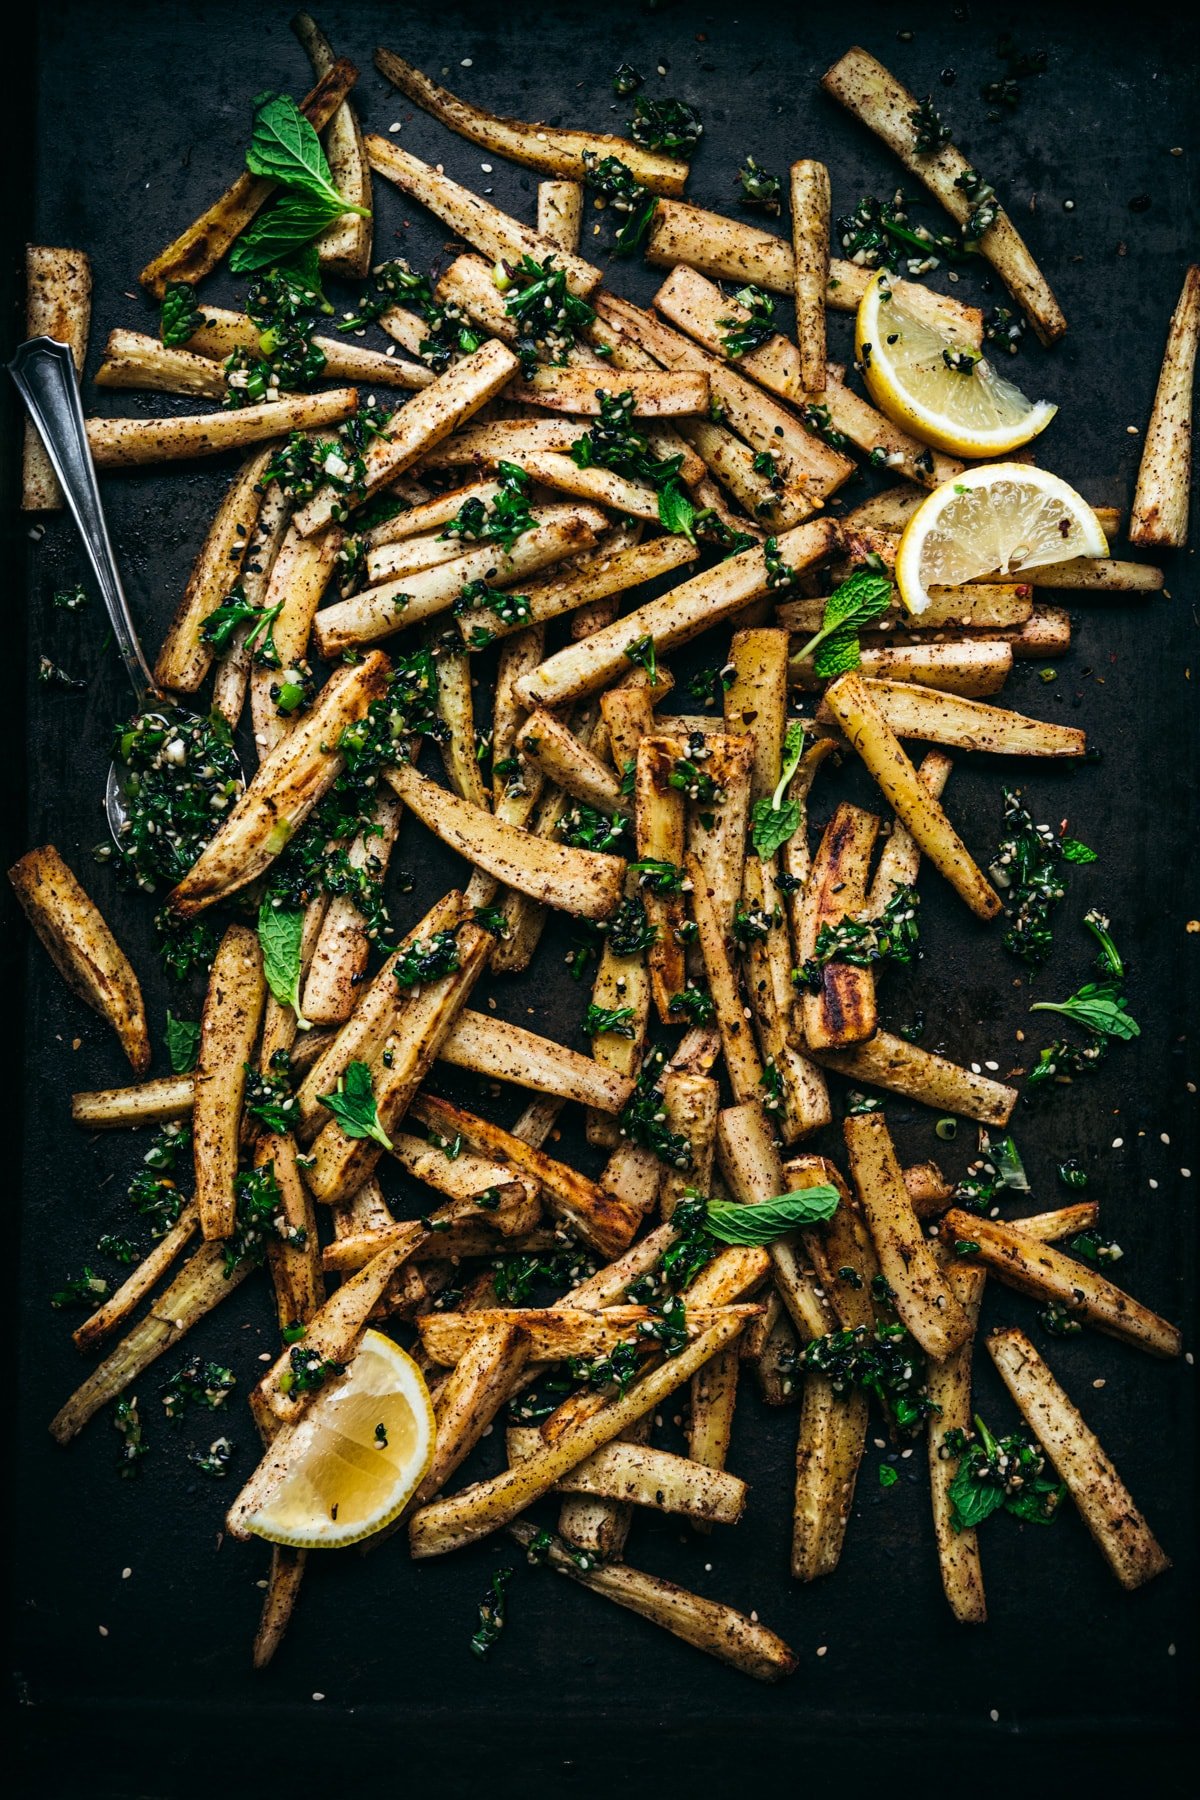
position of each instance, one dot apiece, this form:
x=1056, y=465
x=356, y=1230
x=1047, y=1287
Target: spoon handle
x=44, y=372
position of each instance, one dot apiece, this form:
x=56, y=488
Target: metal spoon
x=44, y=371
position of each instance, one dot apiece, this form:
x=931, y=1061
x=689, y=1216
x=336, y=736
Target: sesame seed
x=1152, y=1184
x=991, y=1065
x=1163, y=1138
x=318, y=1696
x=103, y=1630
x=125, y=1574
x=821, y=1649
x=1186, y=1173
x=1117, y=1143
x=466, y=63
x=395, y=125
x=993, y=1715
x=1099, y=1383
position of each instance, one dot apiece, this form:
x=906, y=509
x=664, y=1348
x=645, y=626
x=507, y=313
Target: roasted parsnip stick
x=132, y=443
x=229, y=1022
x=810, y=247
x=58, y=305
x=891, y=1062
x=185, y=657
x=1160, y=501
x=344, y=248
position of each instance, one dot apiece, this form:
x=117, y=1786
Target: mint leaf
x=732, y=1223
x=285, y=148
x=183, y=1043
x=280, y=932
x=353, y=1105
x=281, y=229
x=863, y=596
x=772, y=825
x=675, y=511
x=1099, y=1006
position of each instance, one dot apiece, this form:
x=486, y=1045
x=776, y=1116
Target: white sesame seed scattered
x=103, y=1630
x=993, y=1715
x=1117, y=1143
x=1068, y=206
x=754, y=1618
x=1132, y=430
x=991, y=1065
x=1186, y=1173
x=395, y=125
x=1170, y=1649
x=1163, y=1138
x=467, y=62
x=262, y=1584
x=486, y=167
x=975, y=1069
x=125, y=1574
x=265, y=1357
x=904, y=1455
x=1099, y=1383
x=1153, y=1184
x=1188, y=1358
x=821, y=1649
x=708, y=1568
x=318, y=1696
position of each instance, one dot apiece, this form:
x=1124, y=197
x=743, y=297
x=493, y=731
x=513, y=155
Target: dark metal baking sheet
x=139, y=1682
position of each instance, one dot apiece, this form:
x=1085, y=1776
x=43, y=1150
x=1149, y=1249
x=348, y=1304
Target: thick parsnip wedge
x=560, y=213
x=658, y=394
x=643, y=1476
x=133, y=443
x=58, y=305
x=82, y=948
x=1034, y=1267
x=427, y=418
x=379, y=612
x=842, y=1011
x=734, y=250
x=973, y=668
x=707, y=1625
x=202, y=1283
x=294, y=1261
x=1122, y=1535
x=463, y=1518
x=342, y=949
x=548, y=743
x=120, y=1304
x=233, y=1009
x=851, y=702
x=344, y=248
x=943, y=718
x=892, y=1062
x=141, y=363
x=829, y=1448
x=502, y=1051
x=185, y=657
x=869, y=91
x=600, y=1219
x=659, y=827
x=549, y=149
x=496, y=236
x=613, y=567
x=584, y=882
x=949, y=1386
x=341, y=1163
x=1160, y=501
x=200, y=248
x=923, y=1298
x=810, y=279
x=692, y=607
x=288, y=784
x=742, y=1061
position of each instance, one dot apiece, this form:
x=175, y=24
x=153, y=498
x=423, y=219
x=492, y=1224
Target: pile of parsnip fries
x=581, y=727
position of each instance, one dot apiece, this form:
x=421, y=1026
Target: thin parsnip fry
x=892, y=1062
x=200, y=248
x=229, y=1022
x=202, y=1283
x=343, y=248
x=851, y=702
x=755, y=702
x=937, y=717
x=548, y=149
x=758, y=486
x=133, y=443
x=900, y=859
x=659, y=827
x=599, y=1218
x=734, y=250
x=462, y=1518
x=79, y=943
x=232, y=677
x=585, y=882
x=558, y=1332
x=716, y=836
x=501, y=1051
x=1098, y=575
x=694, y=606
x=1034, y=1267
x=222, y=331
x=1122, y=1535
x=155, y=1102
x=340, y=954
x=615, y=565
x=477, y=1388
x=657, y=395
x=299, y=577
x=496, y=236
x=869, y=91
x=718, y=1630
x=810, y=266
x=120, y=1304
x=58, y=305
x=923, y=1299
x=560, y=213
x=134, y=360
x=294, y=1261
x=547, y=742
x=289, y=782
x=842, y=1012
x=279, y=1602
x=949, y=1386
x=186, y=656
x=429, y=416
x=1160, y=501
x=642, y=1476
x=829, y=1447
x=380, y=612
x=742, y=1060
x=460, y=743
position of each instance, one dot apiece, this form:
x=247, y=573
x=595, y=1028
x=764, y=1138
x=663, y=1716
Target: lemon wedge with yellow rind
x=945, y=393
x=356, y=1457
x=996, y=521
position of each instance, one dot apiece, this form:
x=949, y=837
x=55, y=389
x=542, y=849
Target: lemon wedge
x=356, y=1457
x=996, y=521
x=947, y=394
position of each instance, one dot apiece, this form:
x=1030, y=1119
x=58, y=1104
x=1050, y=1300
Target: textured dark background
x=130, y=121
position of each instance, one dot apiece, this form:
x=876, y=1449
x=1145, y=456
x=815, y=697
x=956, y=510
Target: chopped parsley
x=1007, y=1473
x=669, y=125
x=760, y=189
